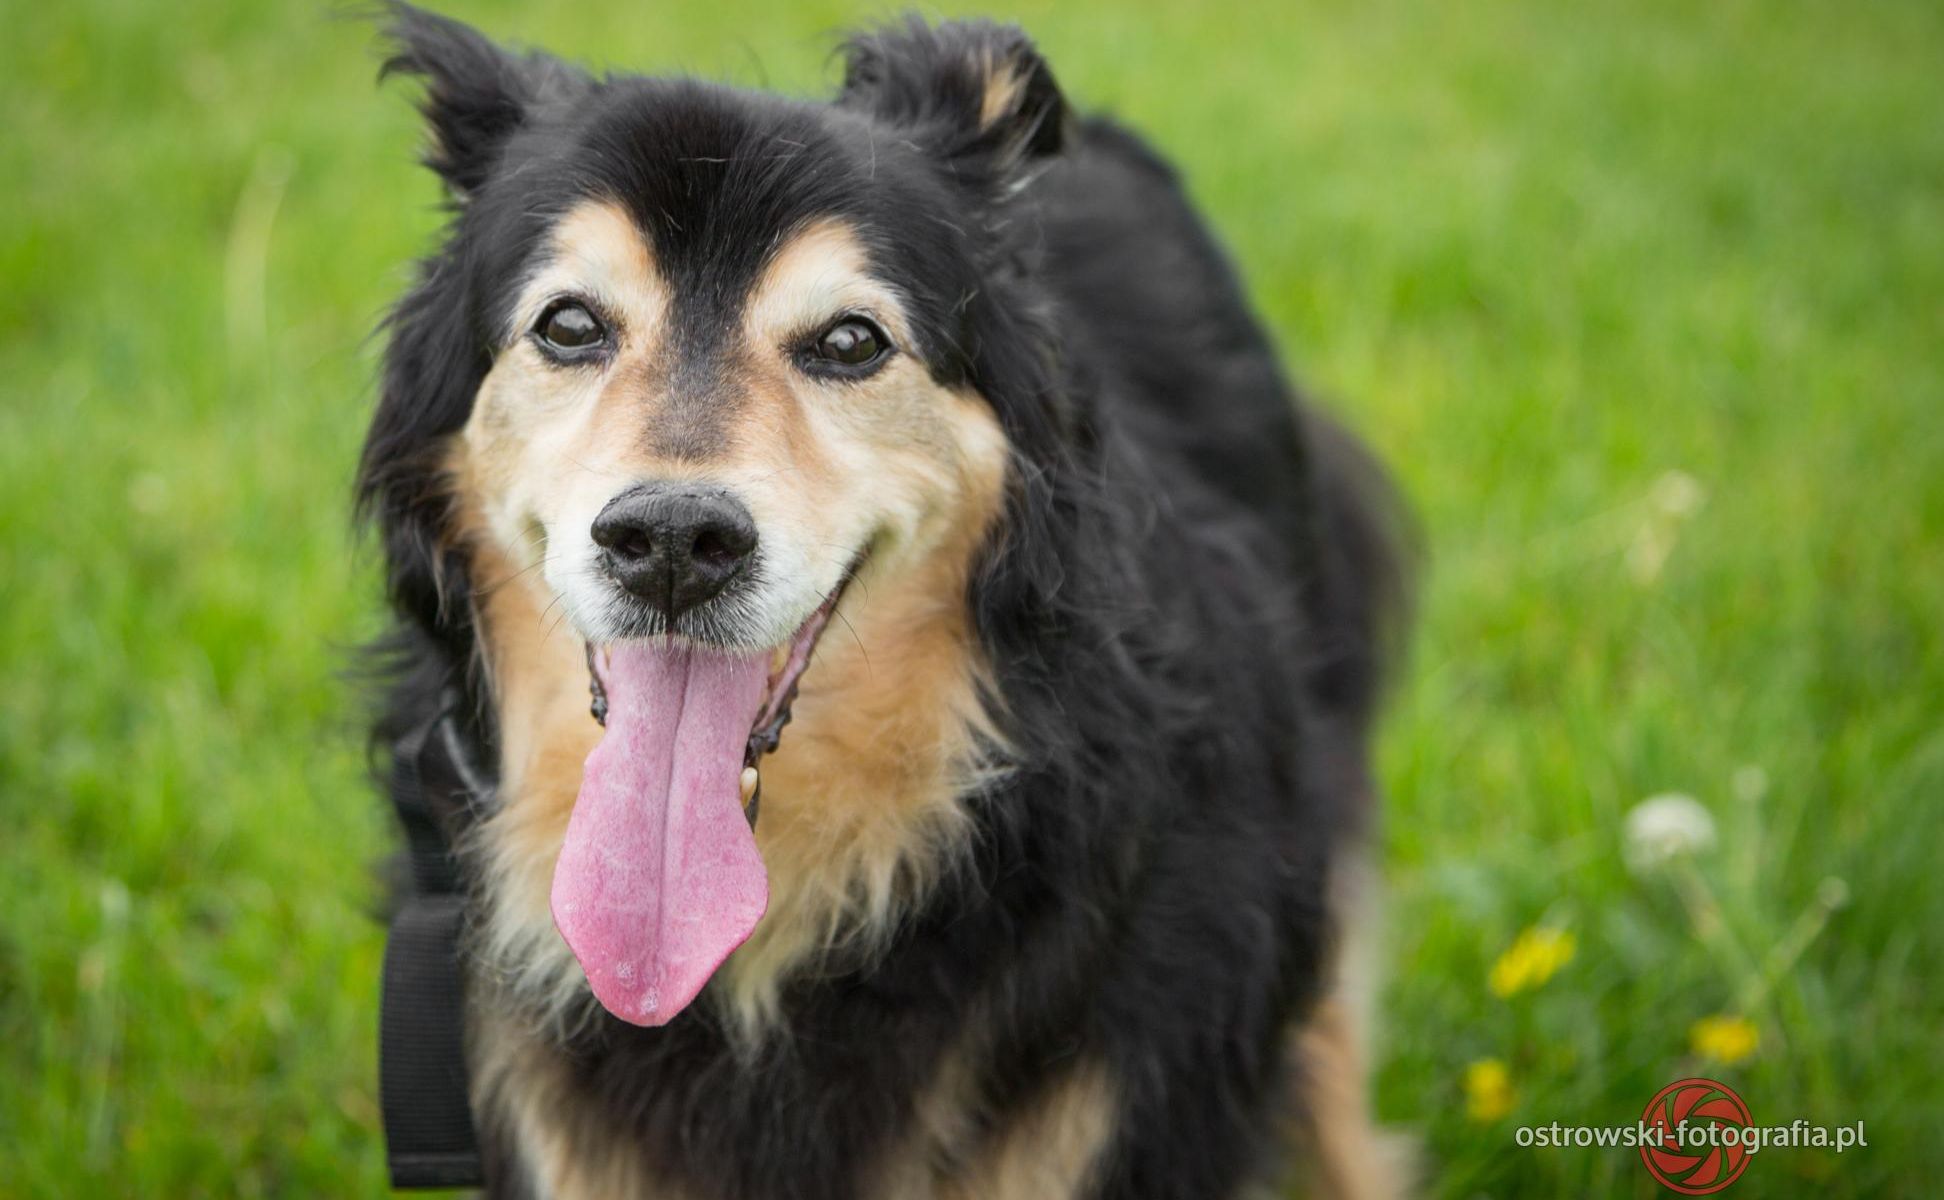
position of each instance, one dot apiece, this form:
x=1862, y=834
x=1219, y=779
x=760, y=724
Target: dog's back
x=1156, y=307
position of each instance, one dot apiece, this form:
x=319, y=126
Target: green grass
x=1542, y=255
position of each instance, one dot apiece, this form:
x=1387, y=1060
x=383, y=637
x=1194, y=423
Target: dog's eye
x=568, y=327
x=852, y=342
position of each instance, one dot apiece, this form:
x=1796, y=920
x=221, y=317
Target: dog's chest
x=676, y=1123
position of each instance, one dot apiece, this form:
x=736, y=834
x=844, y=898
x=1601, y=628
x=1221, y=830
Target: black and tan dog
x=932, y=418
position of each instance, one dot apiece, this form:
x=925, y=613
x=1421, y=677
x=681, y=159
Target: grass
x=1644, y=301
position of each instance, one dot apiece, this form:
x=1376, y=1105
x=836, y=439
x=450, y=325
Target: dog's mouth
x=659, y=878
x=787, y=664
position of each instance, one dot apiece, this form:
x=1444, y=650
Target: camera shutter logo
x=1700, y=1163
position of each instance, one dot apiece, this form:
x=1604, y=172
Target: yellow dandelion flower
x=1489, y=1094
x=1534, y=957
x=1725, y=1039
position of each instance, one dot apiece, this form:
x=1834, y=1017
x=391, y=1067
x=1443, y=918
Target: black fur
x=1184, y=608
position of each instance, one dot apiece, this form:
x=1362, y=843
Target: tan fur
x=1046, y=1150
x=538, y=673
x=1347, y=1157
x=569, y=1153
x=1049, y=1152
x=860, y=803
x=1003, y=87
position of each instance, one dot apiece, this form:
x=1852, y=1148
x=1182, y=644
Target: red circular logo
x=1695, y=1145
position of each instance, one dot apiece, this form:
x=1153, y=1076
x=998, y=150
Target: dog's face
x=692, y=362
x=713, y=457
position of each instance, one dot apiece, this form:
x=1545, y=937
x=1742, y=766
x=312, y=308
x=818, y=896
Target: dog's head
x=697, y=358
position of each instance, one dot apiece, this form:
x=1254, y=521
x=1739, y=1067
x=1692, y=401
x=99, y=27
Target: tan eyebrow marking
x=819, y=273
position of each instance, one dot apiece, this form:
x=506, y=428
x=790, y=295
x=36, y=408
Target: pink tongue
x=659, y=878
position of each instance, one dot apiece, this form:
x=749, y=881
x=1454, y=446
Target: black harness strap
x=429, y=1136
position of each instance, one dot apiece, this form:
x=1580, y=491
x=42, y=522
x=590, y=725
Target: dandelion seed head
x=1663, y=828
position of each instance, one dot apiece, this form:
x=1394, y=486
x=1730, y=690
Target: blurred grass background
x=1644, y=302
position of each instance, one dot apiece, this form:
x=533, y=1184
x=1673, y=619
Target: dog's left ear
x=477, y=95
x=975, y=94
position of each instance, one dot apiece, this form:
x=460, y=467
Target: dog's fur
x=1064, y=842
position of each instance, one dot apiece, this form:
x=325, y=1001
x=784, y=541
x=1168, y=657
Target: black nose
x=674, y=545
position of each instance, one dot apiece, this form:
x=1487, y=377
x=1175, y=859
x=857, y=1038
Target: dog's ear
x=975, y=94
x=477, y=95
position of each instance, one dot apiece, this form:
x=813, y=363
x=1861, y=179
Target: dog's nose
x=674, y=546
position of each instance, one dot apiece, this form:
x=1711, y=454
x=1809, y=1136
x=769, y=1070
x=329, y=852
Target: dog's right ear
x=477, y=95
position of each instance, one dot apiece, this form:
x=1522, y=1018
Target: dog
x=931, y=420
